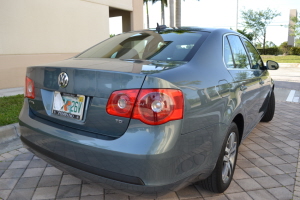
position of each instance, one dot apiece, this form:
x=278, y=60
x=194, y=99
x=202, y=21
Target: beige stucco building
x=40, y=31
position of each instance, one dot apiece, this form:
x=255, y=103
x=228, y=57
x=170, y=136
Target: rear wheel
x=270, y=110
x=222, y=175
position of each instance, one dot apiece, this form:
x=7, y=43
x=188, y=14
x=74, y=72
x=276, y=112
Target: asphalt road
x=287, y=83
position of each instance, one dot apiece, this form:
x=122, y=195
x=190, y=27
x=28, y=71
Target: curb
x=9, y=133
x=11, y=91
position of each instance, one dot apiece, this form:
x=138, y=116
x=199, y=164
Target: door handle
x=243, y=88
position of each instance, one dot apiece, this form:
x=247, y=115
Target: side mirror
x=272, y=65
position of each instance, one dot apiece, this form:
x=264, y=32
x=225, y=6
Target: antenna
x=160, y=27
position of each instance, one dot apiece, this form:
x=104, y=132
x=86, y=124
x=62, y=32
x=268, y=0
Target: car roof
x=218, y=31
x=195, y=28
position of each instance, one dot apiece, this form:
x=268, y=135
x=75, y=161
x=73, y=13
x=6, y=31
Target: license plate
x=68, y=105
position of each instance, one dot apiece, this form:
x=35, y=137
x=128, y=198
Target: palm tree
x=147, y=11
x=163, y=4
x=178, y=13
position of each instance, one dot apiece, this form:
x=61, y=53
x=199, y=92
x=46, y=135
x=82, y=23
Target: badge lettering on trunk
x=119, y=121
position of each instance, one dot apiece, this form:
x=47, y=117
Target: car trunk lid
x=95, y=80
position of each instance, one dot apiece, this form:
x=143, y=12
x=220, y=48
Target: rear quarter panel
x=208, y=97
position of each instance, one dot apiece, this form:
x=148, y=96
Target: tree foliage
x=164, y=3
x=244, y=32
x=284, y=48
x=258, y=21
x=287, y=49
x=270, y=44
x=294, y=51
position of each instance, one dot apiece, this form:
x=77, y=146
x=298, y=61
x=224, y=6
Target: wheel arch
x=239, y=121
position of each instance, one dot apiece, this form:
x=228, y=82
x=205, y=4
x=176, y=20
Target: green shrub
x=269, y=51
x=284, y=48
x=294, y=51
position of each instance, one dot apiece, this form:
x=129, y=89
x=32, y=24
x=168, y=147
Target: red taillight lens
x=29, y=88
x=152, y=106
x=158, y=106
x=120, y=103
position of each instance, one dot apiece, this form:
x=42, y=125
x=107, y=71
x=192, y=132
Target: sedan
x=149, y=112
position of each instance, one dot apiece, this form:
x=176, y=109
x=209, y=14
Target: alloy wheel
x=229, y=157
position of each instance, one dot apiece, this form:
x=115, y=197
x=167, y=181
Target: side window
x=240, y=57
x=228, y=55
x=255, y=58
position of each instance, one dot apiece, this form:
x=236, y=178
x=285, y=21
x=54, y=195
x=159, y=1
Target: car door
x=257, y=66
x=246, y=80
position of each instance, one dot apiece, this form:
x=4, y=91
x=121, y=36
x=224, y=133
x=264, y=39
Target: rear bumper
x=119, y=183
x=81, y=166
x=146, y=160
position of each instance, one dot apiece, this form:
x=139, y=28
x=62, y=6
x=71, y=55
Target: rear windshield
x=178, y=45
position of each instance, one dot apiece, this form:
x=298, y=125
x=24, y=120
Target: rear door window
x=255, y=59
x=240, y=57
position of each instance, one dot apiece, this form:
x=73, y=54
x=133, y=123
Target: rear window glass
x=177, y=45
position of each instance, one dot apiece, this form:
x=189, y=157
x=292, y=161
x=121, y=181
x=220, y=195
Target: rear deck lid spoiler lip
x=116, y=65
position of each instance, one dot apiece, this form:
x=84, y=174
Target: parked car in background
x=149, y=112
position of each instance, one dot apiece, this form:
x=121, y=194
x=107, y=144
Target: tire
x=270, y=110
x=221, y=177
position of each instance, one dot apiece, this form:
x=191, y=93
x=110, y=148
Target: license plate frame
x=73, y=105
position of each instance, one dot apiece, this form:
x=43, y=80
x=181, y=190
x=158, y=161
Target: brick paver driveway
x=266, y=169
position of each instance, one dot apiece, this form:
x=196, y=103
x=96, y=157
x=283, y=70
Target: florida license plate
x=68, y=105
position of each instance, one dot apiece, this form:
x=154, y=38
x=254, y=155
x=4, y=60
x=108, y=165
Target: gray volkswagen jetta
x=149, y=112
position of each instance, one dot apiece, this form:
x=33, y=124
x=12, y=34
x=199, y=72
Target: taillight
x=158, y=106
x=121, y=102
x=152, y=106
x=29, y=88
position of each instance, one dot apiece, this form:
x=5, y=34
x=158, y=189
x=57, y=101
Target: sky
x=223, y=14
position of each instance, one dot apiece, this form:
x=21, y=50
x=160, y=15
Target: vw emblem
x=63, y=79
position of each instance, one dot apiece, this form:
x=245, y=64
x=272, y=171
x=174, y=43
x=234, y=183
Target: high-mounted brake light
x=151, y=106
x=29, y=88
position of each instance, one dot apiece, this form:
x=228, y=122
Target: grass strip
x=10, y=108
x=281, y=59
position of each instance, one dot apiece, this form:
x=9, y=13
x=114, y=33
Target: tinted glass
x=255, y=59
x=228, y=55
x=240, y=57
x=179, y=45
